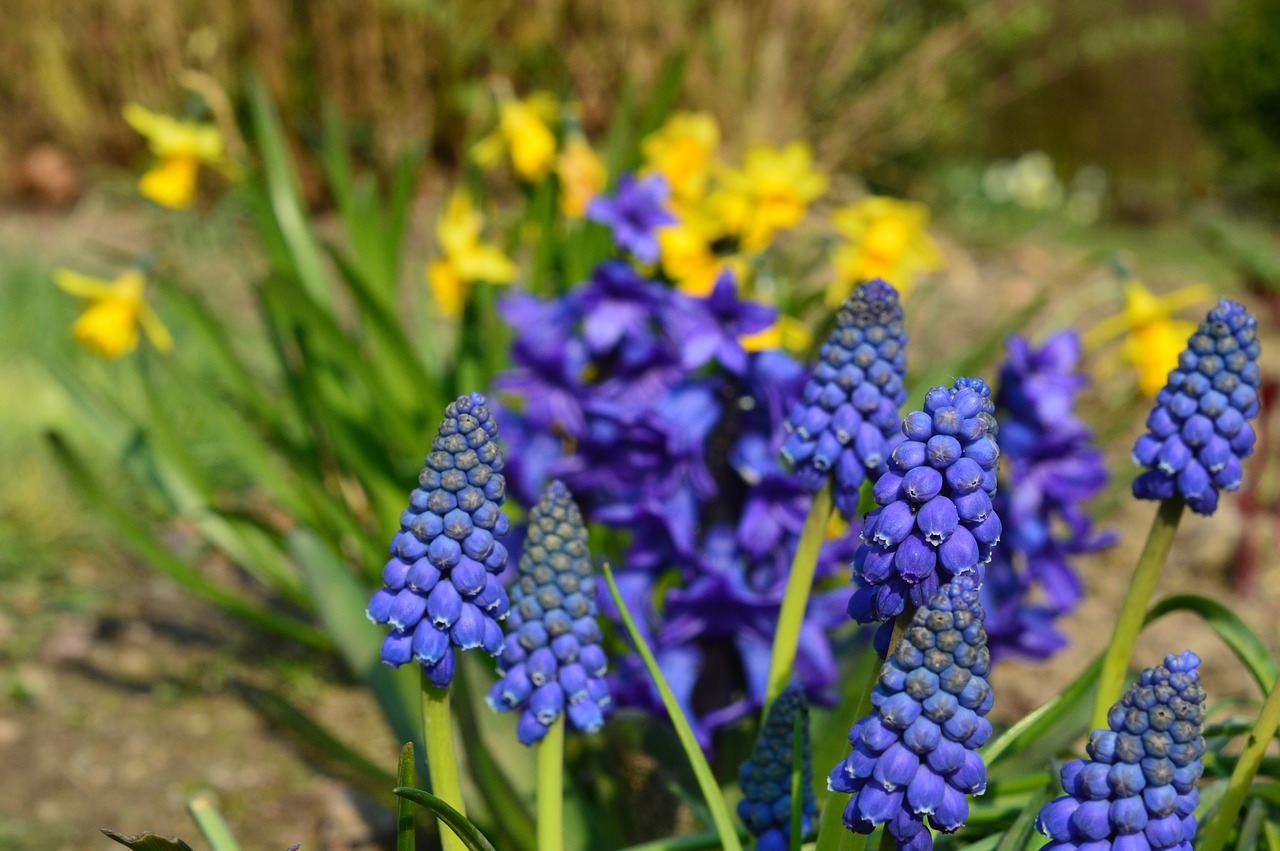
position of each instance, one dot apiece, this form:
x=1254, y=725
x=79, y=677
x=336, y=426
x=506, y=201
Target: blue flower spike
x=1137, y=790
x=915, y=757
x=935, y=521
x=441, y=589
x=1199, y=431
x=847, y=422
x=765, y=779
x=552, y=661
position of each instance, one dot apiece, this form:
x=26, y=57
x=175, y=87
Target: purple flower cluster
x=1137, y=790
x=441, y=586
x=634, y=213
x=552, y=660
x=765, y=779
x=1051, y=468
x=916, y=755
x=1198, y=432
x=936, y=520
x=644, y=402
x=847, y=422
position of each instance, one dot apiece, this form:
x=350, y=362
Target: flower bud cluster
x=441, y=588
x=1137, y=790
x=935, y=519
x=765, y=779
x=916, y=755
x=552, y=661
x=847, y=422
x=1198, y=432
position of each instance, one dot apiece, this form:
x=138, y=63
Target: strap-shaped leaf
x=147, y=841
x=456, y=821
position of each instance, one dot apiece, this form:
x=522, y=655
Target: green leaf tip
x=147, y=841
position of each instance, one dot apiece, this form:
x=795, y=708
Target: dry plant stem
x=832, y=834
x=1129, y=623
x=796, y=597
x=1255, y=748
x=551, y=788
x=442, y=761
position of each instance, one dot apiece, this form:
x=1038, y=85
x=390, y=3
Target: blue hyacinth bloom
x=847, y=423
x=441, y=588
x=634, y=213
x=1137, y=790
x=1199, y=432
x=916, y=755
x=552, y=661
x=935, y=520
x=765, y=779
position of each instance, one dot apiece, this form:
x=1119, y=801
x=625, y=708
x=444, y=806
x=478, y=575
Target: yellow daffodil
x=582, y=175
x=180, y=148
x=887, y=239
x=1153, y=337
x=787, y=333
x=466, y=258
x=109, y=325
x=771, y=192
x=682, y=150
x=524, y=131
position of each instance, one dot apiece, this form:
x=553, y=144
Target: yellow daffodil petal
x=168, y=136
x=887, y=239
x=786, y=332
x=1154, y=351
x=582, y=176
x=447, y=288
x=529, y=139
x=171, y=181
x=108, y=328
x=481, y=262
x=682, y=151
x=459, y=226
x=155, y=330
x=82, y=285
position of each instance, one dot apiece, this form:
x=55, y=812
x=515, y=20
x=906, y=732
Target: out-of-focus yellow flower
x=771, y=192
x=466, y=258
x=582, y=175
x=682, y=150
x=109, y=325
x=524, y=130
x=887, y=239
x=180, y=148
x=1153, y=337
x=787, y=333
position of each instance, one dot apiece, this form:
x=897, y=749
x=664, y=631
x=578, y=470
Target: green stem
x=406, y=839
x=551, y=788
x=1129, y=623
x=832, y=834
x=1242, y=777
x=211, y=824
x=796, y=597
x=442, y=762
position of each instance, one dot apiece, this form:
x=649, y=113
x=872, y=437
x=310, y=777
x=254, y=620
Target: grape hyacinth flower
x=1137, y=790
x=1050, y=468
x=765, y=779
x=634, y=213
x=916, y=755
x=441, y=588
x=935, y=520
x=847, y=421
x=552, y=661
x=1198, y=432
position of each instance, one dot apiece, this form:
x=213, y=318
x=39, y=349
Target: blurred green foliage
x=1238, y=97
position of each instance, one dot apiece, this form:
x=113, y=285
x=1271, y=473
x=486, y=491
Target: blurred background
x=1063, y=147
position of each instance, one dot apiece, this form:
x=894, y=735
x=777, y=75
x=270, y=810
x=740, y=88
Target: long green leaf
x=1228, y=626
x=340, y=601
x=144, y=542
x=701, y=770
x=211, y=823
x=284, y=195
x=456, y=821
x=1016, y=837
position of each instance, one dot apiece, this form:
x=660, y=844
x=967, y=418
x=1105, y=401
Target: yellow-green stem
x=832, y=834
x=1134, y=611
x=796, y=597
x=551, y=788
x=442, y=762
x=1215, y=838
